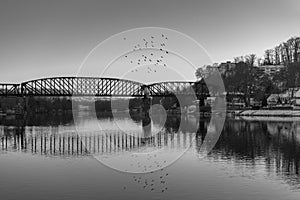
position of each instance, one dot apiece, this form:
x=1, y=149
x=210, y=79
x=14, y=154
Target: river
x=50, y=158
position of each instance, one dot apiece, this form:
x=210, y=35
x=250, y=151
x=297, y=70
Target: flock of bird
x=152, y=177
x=151, y=163
x=153, y=182
x=155, y=58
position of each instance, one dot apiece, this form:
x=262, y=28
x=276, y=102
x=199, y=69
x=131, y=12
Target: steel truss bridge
x=90, y=86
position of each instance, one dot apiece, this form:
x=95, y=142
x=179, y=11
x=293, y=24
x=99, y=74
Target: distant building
x=290, y=96
x=235, y=99
x=271, y=69
x=291, y=91
x=273, y=99
x=297, y=98
x=210, y=68
x=225, y=68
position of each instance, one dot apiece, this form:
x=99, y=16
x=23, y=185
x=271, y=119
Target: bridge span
x=92, y=86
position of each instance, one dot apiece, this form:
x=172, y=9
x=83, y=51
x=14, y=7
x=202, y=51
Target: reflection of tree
x=201, y=133
x=146, y=124
x=276, y=142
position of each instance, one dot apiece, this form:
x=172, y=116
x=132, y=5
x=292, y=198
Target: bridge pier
x=146, y=120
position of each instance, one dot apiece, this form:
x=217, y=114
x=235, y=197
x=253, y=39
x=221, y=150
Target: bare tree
x=250, y=59
x=206, y=71
x=282, y=54
x=294, y=43
x=239, y=59
x=297, y=49
x=260, y=61
x=287, y=51
x=269, y=57
x=200, y=72
x=277, y=55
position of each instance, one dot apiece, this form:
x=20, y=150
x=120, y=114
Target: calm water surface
x=44, y=158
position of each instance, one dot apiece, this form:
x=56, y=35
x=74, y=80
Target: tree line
x=287, y=52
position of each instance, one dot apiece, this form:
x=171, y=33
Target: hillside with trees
x=248, y=78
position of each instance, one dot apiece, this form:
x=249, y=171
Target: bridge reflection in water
x=51, y=142
x=259, y=145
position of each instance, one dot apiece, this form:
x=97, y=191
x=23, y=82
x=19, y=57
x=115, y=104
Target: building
x=296, y=98
x=290, y=96
x=273, y=99
x=271, y=69
x=235, y=100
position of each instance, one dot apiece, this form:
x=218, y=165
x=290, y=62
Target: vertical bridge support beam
x=146, y=103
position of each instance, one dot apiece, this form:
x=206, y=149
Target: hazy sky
x=48, y=38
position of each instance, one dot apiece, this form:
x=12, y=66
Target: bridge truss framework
x=89, y=86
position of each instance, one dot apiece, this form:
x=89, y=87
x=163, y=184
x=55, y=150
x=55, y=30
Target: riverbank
x=265, y=113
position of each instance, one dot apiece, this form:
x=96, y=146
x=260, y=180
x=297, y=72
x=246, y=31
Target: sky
x=40, y=38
